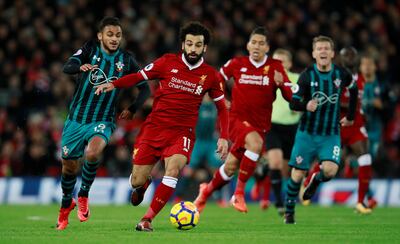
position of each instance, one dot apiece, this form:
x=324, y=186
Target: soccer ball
x=184, y=215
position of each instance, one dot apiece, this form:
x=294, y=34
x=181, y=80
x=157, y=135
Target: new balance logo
x=243, y=69
x=174, y=71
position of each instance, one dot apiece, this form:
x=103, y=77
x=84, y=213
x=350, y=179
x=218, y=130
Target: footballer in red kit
x=253, y=93
x=256, y=80
x=176, y=104
x=169, y=131
x=356, y=136
x=356, y=132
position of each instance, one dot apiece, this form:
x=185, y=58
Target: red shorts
x=352, y=134
x=237, y=134
x=155, y=143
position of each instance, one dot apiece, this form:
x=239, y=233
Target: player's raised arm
x=123, y=82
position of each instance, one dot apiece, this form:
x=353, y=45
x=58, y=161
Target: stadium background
x=37, y=37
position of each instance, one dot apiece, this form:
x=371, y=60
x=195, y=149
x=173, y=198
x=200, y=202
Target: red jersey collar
x=191, y=67
x=258, y=65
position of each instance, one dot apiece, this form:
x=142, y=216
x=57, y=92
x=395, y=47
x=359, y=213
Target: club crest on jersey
x=65, y=150
x=120, y=66
x=299, y=159
x=243, y=69
x=337, y=82
x=266, y=69
x=202, y=79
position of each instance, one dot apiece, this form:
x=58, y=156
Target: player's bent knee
x=172, y=172
x=70, y=167
x=138, y=180
x=255, y=146
x=92, y=155
x=230, y=169
x=330, y=172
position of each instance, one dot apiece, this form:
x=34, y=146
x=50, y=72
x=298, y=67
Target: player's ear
x=313, y=54
x=99, y=36
x=183, y=46
x=267, y=49
x=205, y=48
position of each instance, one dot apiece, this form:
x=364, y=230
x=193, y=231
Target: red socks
x=364, y=177
x=218, y=181
x=163, y=193
x=246, y=170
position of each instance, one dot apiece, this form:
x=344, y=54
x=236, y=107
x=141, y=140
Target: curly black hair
x=195, y=28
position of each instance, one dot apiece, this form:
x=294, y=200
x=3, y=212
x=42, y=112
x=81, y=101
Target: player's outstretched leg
x=161, y=196
x=137, y=194
x=206, y=189
x=247, y=166
x=62, y=220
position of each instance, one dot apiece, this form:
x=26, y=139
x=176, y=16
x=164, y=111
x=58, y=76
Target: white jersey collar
x=191, y=67
x=259, y=64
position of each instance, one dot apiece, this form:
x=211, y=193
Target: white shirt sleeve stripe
x=223, y=74
x=218, y=98
x=144, y=75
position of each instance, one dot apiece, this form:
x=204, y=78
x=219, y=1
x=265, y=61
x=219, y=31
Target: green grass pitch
x=115, y=224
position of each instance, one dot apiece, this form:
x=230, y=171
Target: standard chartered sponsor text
x=251, y=79
x=182, y=85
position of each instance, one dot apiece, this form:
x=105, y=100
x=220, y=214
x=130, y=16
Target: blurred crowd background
x=38, y=36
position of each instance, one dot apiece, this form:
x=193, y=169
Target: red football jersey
x=254, y=89
x=181, y=89
x=359, y=119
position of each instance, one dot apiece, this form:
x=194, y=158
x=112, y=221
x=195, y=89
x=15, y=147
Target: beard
x=192, y=58
x=110, y=48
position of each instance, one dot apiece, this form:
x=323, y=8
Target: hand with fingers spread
x=222, y=148
x=87, y=67
x=106, y=87
x=312, y=105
